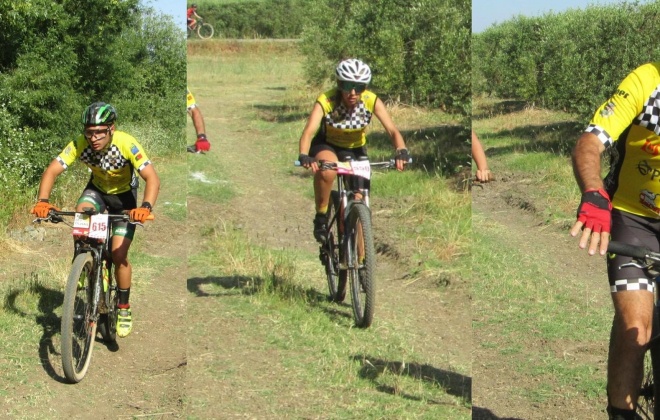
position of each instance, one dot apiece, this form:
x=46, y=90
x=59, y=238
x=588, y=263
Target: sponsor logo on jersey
x=134, y=149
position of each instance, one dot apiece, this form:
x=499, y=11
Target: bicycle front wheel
x=330, y=250
x=78, y=328
x=107, y=324
x=205, y=31
x=361, y=256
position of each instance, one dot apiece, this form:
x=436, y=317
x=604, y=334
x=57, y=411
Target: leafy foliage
x=58, y=57
x=419, y=52
x=568, y=61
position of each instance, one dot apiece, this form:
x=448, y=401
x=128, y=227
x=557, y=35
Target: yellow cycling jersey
x=630, y=121
x=344, y=127
x=190, y=100
x=113, y=168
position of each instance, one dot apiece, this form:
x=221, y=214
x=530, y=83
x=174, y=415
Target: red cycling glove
x=595, y=211
x=202, y=144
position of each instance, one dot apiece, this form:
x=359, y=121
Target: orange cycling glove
x=42, y=208
x=140, y=214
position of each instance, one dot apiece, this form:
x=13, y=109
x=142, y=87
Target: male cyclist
x=113, y=157
x=202, y=144
x=191, y=14
x=336, y=129
x=625, y=204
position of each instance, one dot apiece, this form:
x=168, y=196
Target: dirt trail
x=272, y=214
x=503, y=202
x=144, y=375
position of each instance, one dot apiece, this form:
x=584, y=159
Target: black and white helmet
x=353, y=70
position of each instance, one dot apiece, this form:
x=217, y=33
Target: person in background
x=191, y=14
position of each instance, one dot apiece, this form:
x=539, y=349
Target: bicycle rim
x=205, y=31
x=361, y=264
x=78, y=328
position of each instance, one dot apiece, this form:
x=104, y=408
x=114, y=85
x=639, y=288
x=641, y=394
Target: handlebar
x=329, y=165
x=55, y=216
x=634, y=251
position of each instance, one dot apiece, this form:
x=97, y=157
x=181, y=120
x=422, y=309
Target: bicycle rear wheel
x=78, y=329
x=205, y=31
x=361, y=257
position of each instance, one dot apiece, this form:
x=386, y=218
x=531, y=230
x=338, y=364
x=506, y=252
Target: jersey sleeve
x=617, y=113
x=69, y=154
x=190, y=100
x=138, y=157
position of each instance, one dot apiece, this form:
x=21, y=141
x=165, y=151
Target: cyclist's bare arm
x=152, y=184
x=313, y=124
x=395, y=135
x=197, y=120
x=586, y=167
x=48, y=178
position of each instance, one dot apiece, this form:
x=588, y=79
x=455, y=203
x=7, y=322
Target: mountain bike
x=348, y=254
x=202, y=29
x=650, y=391
x=90, y=295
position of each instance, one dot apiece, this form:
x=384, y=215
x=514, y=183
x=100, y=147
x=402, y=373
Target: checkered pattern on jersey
x=650, y=115
x=344, y=119
x=107, y=160
x=632, y=284
x=602, y=135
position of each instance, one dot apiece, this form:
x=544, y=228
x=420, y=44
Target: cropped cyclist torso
x=630, y=120
x=190, y=100
x=113, y=168
x=343, y=127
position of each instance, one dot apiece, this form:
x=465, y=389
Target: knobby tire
x=205, y=31
x=647, y=408
x=361, y=271
x=78, y=332
x=330, y=250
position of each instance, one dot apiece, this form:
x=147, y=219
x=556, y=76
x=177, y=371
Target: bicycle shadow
x=479, y=413
x=48, y=301
x=452, y=383
x=250, y=285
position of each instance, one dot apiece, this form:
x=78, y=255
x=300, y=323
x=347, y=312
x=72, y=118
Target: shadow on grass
x=246, y=285
x=479, y=413
x=282, y=113
x=48, y=301
x=487, y=111
x=453, y=383
x=558, y=138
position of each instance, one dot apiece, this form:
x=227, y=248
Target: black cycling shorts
x=114, y=204
x=634, y=230
x=320, y=144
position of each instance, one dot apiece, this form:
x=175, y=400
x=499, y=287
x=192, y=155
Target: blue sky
x=174, y=8
x=487, y=12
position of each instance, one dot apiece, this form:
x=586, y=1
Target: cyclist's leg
x=91, y=197
x=632, y=296
x=122, y=237
x=323, y=181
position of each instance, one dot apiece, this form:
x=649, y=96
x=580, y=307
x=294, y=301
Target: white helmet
x=353, y=70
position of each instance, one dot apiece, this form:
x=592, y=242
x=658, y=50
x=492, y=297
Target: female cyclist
x=336, y=128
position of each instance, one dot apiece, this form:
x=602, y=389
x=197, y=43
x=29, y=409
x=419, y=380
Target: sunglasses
x=93, y=133
x=349, y=86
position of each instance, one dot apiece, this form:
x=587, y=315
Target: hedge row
x=570, y=61
x=419, y=51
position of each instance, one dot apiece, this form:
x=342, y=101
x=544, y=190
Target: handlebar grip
x=150, y=217
x=628, y=250
x=296, y=163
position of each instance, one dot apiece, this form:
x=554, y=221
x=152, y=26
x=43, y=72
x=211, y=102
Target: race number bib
x=361, y=168
x=98, y=226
